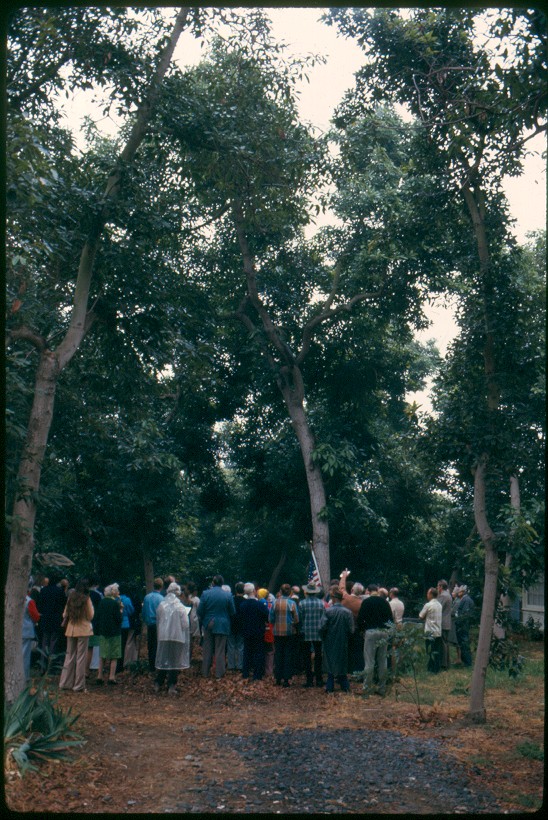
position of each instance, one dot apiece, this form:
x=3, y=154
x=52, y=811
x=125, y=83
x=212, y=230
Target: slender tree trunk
x=22, y=525
x=477, y=710
x=50, y=365
x=290, y=383
x=149, y=572
x=273, y=580
x=293, y=393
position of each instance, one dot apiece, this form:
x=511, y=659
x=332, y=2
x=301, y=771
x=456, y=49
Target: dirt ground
x=142, y=747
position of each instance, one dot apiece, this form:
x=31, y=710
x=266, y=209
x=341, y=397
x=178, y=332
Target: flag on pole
x=313, y=572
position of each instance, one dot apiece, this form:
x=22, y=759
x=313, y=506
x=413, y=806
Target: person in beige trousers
x=77, y=616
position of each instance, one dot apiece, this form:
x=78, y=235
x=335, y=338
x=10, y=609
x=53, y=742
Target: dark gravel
x=341, y=772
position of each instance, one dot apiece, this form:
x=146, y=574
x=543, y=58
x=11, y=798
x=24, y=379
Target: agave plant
x=35, y=728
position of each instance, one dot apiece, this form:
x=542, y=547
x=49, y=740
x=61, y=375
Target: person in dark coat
x=336, y=627
x=252, y=616
x=51, y=604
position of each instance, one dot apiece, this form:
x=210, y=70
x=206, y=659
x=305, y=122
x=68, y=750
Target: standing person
x=151, y=602
x=253, y=615
x=127, y=612
x=453, y=630
x=375, y=618
x=311, y=610
x=190, y=598
x=444, y=597
x=397, y=606
x=463, y=620
x=267, y=601
x=109, y=628
x=431, y=614
x=173, y=651
x=30, y=619
x=353, y=600
x=235, y=640
x=78, y=613
x=51, y=605
x=336, y=627
x=92, y=660
x=215, y=611
x=284, y=616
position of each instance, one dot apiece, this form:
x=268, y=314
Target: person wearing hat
x=311, y=610
x=336, y=627
x=173, y=650
x=463, y=618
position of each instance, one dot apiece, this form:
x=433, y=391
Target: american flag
x=313, y=574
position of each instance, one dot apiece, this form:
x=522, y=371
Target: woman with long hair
x=77, y=616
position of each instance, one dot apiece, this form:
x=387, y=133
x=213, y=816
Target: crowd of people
x=327, y=638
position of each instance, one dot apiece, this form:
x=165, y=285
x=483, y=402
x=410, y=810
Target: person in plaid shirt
x=310, y=615
x=284, y=616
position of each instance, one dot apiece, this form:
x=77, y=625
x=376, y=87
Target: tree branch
x=28, y=335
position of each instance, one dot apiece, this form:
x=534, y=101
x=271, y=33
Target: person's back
x=374, y=613
x=217, y=605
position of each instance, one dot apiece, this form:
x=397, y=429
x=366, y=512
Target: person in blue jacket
x=127, y=612
x=215, y=612
x=151, y=602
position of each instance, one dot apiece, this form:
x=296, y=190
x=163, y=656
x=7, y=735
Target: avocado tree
x=476, y=85
x=34, y=69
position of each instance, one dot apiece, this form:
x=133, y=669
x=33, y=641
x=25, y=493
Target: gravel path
x=340, y=772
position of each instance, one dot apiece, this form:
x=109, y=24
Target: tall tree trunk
x=291, y=386
x=273, y=580
x=477, y=710
x=149, y=572
x=50, y=366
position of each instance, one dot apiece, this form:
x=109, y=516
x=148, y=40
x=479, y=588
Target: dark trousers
x=152, y=645
x=171, y=674
x=284, y=664
x=254, y=656
x=307, y=648
x=434, y=649
x=342, y=680
x=463, y=638
x=355, y=652
x=51, y=646
x=445, y=663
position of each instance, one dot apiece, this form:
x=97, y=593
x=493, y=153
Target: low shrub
x=36, y=729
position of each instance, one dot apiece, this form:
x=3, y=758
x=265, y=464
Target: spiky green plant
x=35, y=728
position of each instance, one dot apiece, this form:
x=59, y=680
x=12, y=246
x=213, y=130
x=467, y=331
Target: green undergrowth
x=36, y=729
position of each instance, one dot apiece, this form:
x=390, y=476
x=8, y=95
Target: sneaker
x=99, y=682
x=112, y=682
x=173, y=690
x=157, y=688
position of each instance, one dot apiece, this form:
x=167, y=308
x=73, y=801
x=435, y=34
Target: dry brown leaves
x=128, y=728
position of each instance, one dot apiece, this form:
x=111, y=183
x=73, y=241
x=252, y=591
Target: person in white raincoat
x=173, y=652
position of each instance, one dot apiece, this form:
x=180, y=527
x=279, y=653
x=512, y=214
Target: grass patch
x=530, y=750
